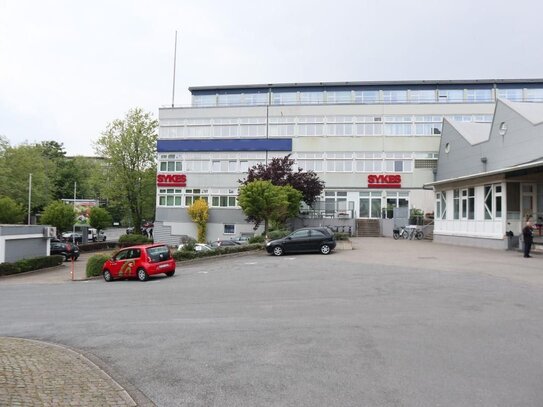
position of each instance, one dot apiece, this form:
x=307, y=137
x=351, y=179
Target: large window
x=395, y=200
x=170, y=163
x=467, y=204
x=493, y=201
x=223, y=198
x=192, y=195
x=456, y=204
x=169, y=197
x=441, y=205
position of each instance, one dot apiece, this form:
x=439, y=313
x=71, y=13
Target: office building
x=374, y=144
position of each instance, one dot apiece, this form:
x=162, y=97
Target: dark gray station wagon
x=317, y=239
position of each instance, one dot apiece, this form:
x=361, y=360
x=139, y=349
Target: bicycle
x=401, y=232
x=408, y=233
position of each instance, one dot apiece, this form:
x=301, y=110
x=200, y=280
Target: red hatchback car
x=139, y=261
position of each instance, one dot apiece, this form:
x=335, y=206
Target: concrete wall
x=498, y=244
x=22, y=242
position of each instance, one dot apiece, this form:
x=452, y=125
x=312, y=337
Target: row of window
x=463, y=203
x=186, y=197
x=317, y=165
x=479, y=95
x=318, y=126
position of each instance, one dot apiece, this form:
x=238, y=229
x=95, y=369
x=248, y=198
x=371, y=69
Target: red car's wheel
x=142, y=274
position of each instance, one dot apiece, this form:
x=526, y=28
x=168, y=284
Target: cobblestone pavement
x=40, y=374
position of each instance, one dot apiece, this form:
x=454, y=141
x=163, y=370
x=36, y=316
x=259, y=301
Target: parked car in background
x=72, y=237
x=224, y=243
x=96, y=236
x=68, y=250
x=242, y=239
x=139, y=262
x=318, y=239
x=198, y=247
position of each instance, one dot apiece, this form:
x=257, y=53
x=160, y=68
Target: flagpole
x=174, y=63
x=29, y=195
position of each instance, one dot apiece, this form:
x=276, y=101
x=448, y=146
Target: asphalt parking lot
x=391, y=323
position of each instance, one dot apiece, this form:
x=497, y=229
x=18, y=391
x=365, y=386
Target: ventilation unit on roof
x=49, y=231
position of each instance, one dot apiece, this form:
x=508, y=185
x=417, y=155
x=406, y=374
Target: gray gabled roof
x=474, y=133
x=530, y=111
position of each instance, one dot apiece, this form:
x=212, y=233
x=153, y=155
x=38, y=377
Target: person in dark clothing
x=528, y=236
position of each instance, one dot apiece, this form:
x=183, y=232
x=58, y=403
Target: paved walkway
x=39, y=374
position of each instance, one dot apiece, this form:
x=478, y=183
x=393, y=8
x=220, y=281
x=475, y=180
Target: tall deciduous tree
x=60, y=215
x=262, y=201
x=10, y=211
x=199, y=213
x=129, y=146
x=279, y=172
x=18, y=163
x=99, y=218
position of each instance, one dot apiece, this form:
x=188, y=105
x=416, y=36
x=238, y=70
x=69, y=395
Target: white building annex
x=489, y=178
x=374, y=144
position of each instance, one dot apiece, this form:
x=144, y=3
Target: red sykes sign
x=384, y=181
x=171, y=180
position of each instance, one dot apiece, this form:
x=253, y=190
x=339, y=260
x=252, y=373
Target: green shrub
x=278, y=234
x=257, y=239
x=8, y=268
x=34, y=263
x=341, y=236
x=132, y=239
x=96, y=246
x=182, y=255
x=189, y=246
x=95, y=264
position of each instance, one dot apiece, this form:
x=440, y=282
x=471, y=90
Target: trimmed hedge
x=182, y=255
x=96, y=246
x=95, y=264
x=132, y=239
x=34, y=263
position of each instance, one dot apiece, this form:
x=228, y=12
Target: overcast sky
x=68, y=68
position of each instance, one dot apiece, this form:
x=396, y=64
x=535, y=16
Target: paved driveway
x=392, y=323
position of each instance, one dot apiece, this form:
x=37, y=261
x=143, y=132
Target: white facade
x=500, y=182
x=375, y=145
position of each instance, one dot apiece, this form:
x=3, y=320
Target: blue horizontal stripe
x=164, y=146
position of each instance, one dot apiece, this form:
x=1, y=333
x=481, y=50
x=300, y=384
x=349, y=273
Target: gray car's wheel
x=142, y=274
x=107, y=276
x=278, y=250
x=325, y=249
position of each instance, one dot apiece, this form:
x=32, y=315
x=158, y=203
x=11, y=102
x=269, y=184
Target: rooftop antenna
x=174, y=62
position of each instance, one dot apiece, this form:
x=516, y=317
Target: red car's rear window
x=158, y=253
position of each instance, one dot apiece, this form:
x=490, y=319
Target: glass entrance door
x=528, y=201
x=370, y=204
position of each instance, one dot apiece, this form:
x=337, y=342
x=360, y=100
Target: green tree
x=262, y=201
x=18, y=163
x=199, y=213
x=60, y=215
x=279, y=172
x=99, y=218
x=292, y=209
x=10, y=211
x=129, y=147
